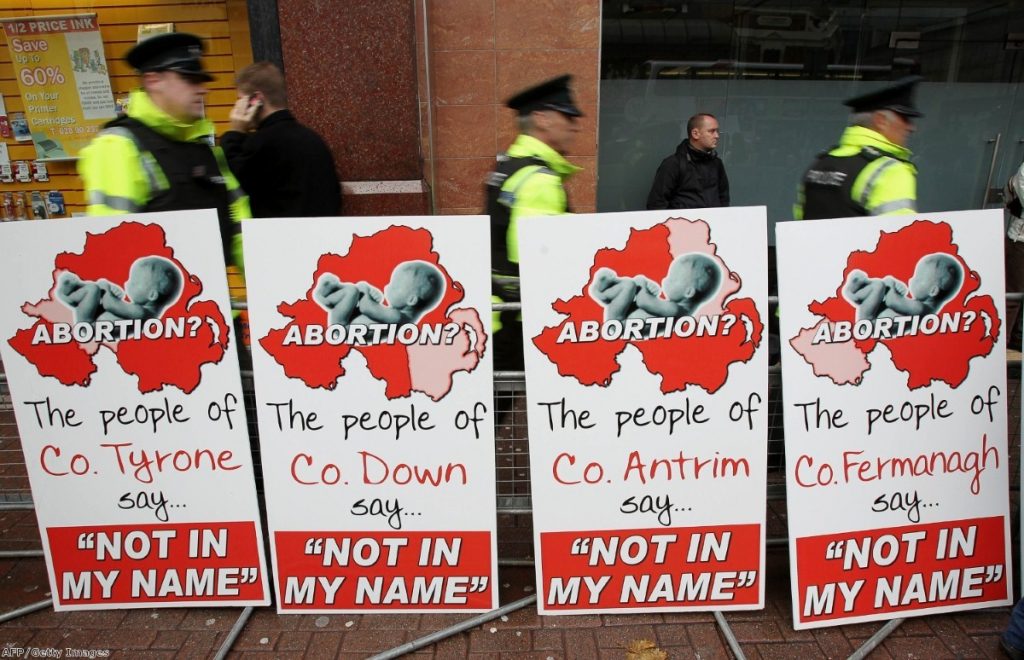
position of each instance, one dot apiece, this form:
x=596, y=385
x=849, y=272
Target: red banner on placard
x=377, y=570
x=190, y=562
x=668, y=567
x=885, y=571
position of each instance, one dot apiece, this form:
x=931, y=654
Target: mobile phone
x=253, y=101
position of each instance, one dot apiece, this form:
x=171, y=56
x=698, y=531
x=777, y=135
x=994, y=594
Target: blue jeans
x=1014, y=634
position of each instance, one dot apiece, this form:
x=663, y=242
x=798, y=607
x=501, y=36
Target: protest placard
x=646, y=365
x=371, y=351
x=117, y=343
x=894, y=375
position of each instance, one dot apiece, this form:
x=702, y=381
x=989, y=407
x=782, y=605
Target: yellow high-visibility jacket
x=122, y=176
x=865, y=174
x=528, y=181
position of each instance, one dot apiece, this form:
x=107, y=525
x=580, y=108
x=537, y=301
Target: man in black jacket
x=694, y=176
x=285, y=167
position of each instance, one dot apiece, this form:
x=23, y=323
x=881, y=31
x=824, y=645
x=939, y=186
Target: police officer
x=869, y=171
x=160, y=157
x=528, y=181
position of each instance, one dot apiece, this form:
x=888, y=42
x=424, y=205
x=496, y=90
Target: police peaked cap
x=898, y=97
x=172, y=51
x=551, y=95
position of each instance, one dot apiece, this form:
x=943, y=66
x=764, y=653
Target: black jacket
x=285, y=168
x=689, y=179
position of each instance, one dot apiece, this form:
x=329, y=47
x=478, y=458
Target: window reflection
x=950, y=42
x=775, y=74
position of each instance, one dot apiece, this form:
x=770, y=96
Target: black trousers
x=508, y=344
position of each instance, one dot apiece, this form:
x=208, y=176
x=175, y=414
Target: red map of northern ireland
x=155, y=362
x=679, y=362
x=404, y=369
x=924, y=358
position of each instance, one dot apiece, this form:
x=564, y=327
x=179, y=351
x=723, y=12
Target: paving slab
x=199, y=632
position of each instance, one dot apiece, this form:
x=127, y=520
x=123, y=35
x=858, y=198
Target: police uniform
x=149, y=161
x=865, y=174
x=527, y=181
x=1013, y=195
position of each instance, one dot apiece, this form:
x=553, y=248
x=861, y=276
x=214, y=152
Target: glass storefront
x=775, y=74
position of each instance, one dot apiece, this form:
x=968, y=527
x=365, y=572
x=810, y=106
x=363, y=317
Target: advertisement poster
x=62, y=76
x=372, y=360
x=894, y=383
x=118, y=346
x=646, y=368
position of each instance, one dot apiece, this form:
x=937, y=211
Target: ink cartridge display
x=55, y=204
x=39, y=172
x=38, y=205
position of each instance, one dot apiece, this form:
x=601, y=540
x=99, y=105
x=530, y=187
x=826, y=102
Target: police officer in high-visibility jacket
x=528, y=181
x=869, y=172
x=160, y=157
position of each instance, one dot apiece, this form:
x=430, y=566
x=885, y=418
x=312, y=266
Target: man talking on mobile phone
x=285, y=167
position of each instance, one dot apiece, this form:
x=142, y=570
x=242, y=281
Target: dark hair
x=266, y=78
x=696, y=121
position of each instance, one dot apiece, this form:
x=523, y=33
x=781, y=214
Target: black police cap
x=172, y=51
x=898, y=97
x=550, y=95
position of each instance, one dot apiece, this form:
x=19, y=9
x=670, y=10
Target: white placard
x=646, y=358
x=371, y=354
x=118, y=345
x=894, y=374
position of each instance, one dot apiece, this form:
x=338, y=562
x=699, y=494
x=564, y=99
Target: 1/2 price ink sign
x=894, y=375
x=62, y=76
x=117, y=342
x=372, y=357
x=647, y=366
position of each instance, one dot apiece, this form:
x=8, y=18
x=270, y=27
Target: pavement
x=200, y=632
